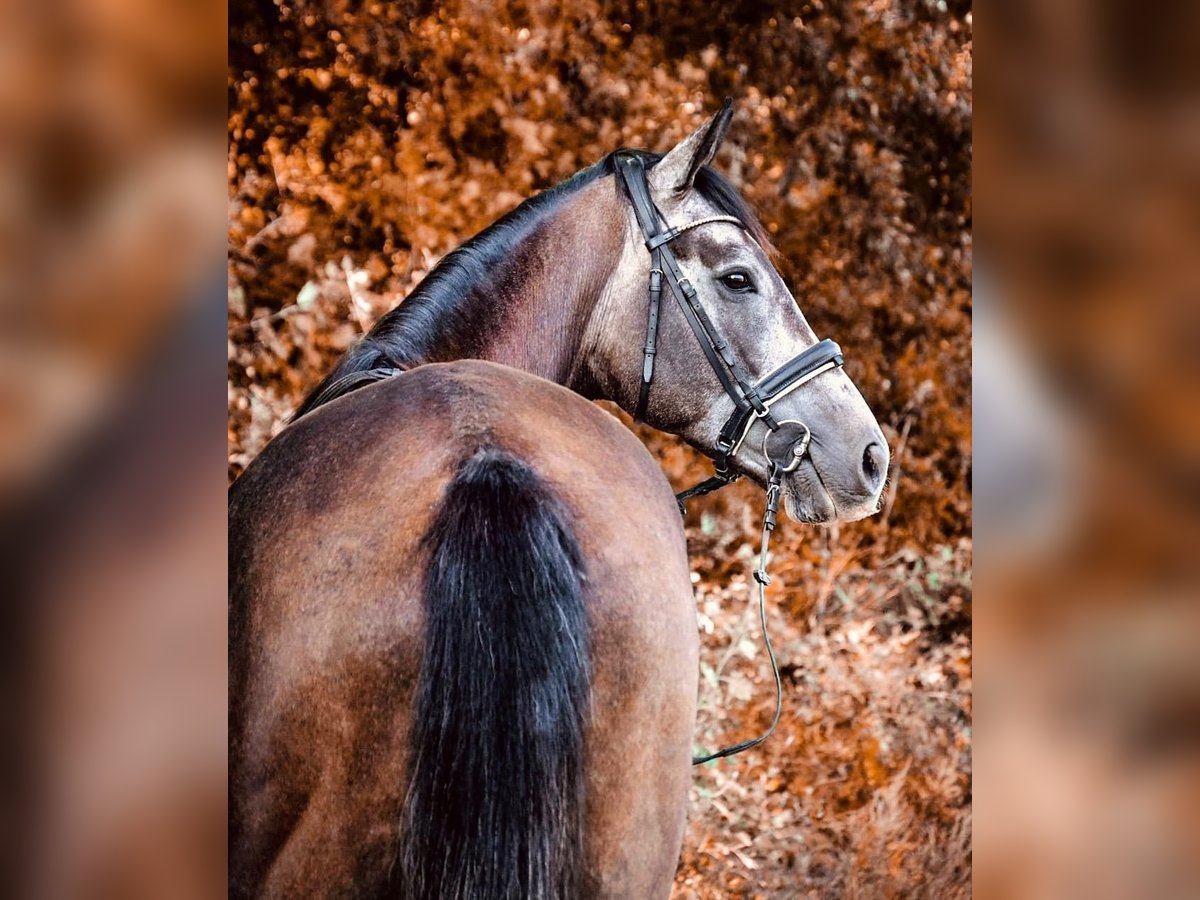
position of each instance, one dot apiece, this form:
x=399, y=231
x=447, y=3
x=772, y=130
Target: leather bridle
x=751, y=399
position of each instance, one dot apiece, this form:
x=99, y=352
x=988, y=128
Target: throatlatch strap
x=707, y=486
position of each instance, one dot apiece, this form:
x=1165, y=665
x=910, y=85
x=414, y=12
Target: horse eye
x=738, y=282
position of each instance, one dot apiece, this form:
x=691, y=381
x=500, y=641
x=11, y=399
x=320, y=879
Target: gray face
x=843, y=475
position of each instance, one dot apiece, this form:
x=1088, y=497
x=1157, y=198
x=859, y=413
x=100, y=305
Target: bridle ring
x=798, y=451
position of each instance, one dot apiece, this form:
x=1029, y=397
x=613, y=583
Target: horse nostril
x=873, y=461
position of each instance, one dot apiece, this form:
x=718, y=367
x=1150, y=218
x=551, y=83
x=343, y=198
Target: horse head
x=763, y=385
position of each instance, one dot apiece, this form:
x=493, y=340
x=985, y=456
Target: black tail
x=495, y=800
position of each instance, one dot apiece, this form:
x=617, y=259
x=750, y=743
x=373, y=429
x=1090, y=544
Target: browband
x=667, y=236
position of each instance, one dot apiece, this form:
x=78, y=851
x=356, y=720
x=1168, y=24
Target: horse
x=463, y=650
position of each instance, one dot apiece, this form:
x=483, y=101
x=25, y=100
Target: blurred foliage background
x=368, y=139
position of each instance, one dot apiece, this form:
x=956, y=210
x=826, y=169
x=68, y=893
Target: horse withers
x=463, y=653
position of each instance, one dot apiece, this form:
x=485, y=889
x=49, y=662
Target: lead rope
x=762, y=579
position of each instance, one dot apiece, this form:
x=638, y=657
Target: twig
x=278, y=314
x=746, y=861
x=743, y=631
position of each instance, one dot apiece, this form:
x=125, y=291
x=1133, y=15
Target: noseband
x=751, y=399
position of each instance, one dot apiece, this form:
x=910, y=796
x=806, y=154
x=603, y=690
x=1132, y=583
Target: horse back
x=329, y=561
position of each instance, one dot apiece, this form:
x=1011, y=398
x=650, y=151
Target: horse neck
x=530, y=311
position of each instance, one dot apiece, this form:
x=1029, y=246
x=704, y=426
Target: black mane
x=405, y=336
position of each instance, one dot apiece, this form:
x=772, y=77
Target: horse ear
x=676, y=171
